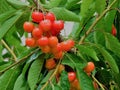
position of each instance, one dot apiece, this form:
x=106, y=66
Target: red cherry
x=50, y=64
x=66, y=46
x=71, y=43
x=71, y=76
x=56, y=49
x=53, y=41
x=114, y=31
x=28, y=26
x=90, y=67
x=58, y=55
x=30, y=42
x=75, y=84
x=45, y=25
x=58, y=25
x=37, y=16
x=37, y=33
x=45, y=49
x=50, y=16
x=43, y=41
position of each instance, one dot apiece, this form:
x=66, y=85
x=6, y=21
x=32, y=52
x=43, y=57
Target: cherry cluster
x=44, y=30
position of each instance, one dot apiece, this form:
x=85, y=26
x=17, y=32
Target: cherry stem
x=98, y=82
x=96, y=21
x=10, y=50
x=54, y=73
x=18, y=62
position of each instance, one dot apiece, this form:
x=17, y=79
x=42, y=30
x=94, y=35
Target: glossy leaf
x=112, y=44
x=9, y=23
x=64, y=83
x=52, y=4
x=88, y=51
x=109, y=59
x=65, y=15
x=7, y=79
x=18, y=4
x=34, y=72
x=70, y=3
x=84, y=81
x=87, y=10
x=73, y=61
x=21, y=83
x=100, y=5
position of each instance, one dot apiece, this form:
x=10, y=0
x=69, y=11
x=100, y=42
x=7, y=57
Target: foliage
x=23, y=68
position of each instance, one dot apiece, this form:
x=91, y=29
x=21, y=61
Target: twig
x=10, y=50
x=54, y=73
x=95, y=22
x=19, y=61
x=98, y=82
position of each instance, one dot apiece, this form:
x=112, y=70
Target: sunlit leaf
x=34, y=72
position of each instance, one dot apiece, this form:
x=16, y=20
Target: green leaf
x=46, y=78
x=8, y=78
x=112, y=44
x=109, y=17
x=34, y=72
x=21, y=83
x=100, y=5
x=6, y=15
x=98, y=34
x=109, y=59
x=87, y=10
x=18, y=4
x=64, y=82
x=9, y=23
x=66, y=15
x=73, y=60
x=104, y=76
x=5, y=7
x=70, y=3
x=52, y=4
x=88, y=51
x=84, y=81
x=20, y=22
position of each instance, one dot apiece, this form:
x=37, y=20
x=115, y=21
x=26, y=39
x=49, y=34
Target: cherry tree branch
x=96, y=21
x=10, y=50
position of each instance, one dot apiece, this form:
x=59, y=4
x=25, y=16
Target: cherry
x=95, y=85
x=45, y=25
x=50, y=64
x=61, y=68
x=52, y=41
x=57, y=48
x=37, y=16
x=28, y=26
x=58, y=55
x=37, y=33
x=66, y=46
x=43, y=41
x=90, y=67
x=50, y=16
x=45, y=49
x=75, y=84
x=71, y=43
x=58, y=25
x=114, y=31
x=30, y=42
x=71, y=76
